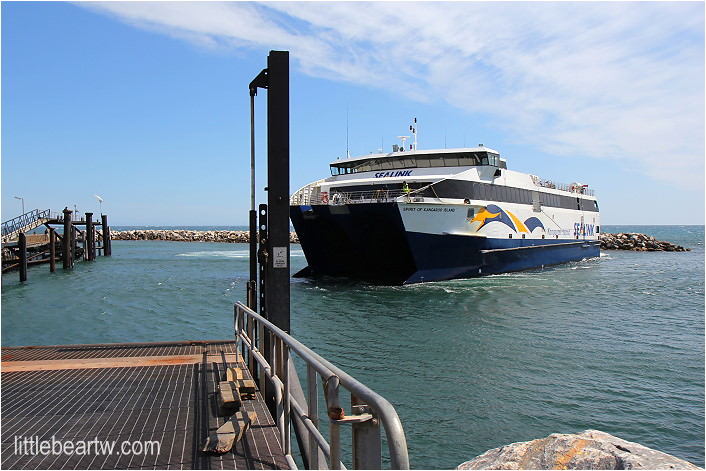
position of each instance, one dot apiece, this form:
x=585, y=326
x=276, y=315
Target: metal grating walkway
x=169, y=404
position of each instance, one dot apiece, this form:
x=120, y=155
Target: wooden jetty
x=21, y=249
x=157, y=394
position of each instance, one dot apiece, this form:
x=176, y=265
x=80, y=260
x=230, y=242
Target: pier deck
x=127, y=393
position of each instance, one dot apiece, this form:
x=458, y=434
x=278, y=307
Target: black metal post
x=107, y=252
x=22, y=247
x=263, y=256
x=66, y=240
x=252, y=286
x=52, y=250
x=277, y=290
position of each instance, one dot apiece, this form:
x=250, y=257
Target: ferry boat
x=412, y=216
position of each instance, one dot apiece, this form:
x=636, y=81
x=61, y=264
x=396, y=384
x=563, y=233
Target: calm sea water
x=614, y=343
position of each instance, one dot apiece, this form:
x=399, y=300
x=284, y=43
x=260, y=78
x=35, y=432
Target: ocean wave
x=229, y=254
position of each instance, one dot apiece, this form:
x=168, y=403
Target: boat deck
x=158, y=398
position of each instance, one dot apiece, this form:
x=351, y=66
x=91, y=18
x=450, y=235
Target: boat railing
x=370, y=196
x=570, y=187
x=369, y=410
x=307, y=195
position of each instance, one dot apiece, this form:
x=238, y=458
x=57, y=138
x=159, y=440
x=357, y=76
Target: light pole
x=23, y=203
x=100, y=203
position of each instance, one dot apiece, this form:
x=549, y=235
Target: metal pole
x=52, y=250
x=106, y=236
x=22, y=246
x=66, y=240
x=252, y=286
x=277, y=292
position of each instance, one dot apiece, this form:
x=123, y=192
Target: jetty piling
x=21, y=248
x=52, y=249
x=89, y=236
x=67, y=240
x=23, y=256
x=106, y=235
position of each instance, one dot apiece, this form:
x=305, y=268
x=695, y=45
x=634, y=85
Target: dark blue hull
x=368, y=242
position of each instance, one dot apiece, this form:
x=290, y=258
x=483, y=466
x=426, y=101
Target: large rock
x=591, y=449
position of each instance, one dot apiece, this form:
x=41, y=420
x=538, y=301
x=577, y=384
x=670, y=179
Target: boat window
x=386, y=165
x=516, y=195
x=451, y=160
x=482, y=193
x=416, y=161
x=436, y=162
x=466, y=159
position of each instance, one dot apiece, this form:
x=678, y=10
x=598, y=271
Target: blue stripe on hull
x=444, y=257
x=368, y=242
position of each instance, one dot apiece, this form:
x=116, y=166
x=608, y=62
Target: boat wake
x=229, y=254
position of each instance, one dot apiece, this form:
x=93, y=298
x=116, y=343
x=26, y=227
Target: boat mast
x=413, y=129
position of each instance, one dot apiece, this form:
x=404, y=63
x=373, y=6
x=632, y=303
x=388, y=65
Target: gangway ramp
x=24, y=223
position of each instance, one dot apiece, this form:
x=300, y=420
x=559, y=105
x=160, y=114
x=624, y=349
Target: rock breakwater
x=637, y=241
x=189, y=236
x=621, y=241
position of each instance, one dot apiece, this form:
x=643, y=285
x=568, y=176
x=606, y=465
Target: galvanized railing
x=570, y=187
x=369, y=409
x=375, y=196
x=23, y=223
x=307, y=195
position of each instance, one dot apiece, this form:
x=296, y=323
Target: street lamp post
x=23, y=203
x=100, y=203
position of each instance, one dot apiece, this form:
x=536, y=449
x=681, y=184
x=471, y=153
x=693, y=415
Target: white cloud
x=608, y=80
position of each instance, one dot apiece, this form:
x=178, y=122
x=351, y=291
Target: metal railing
x=375, y=196
x=570, y=187
x=307, y=195
x=369, y=409
x=23, y=223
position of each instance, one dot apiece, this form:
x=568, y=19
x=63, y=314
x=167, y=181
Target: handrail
x=306, y=194
x=22, y=221
x=569, y=187
x=251, y=330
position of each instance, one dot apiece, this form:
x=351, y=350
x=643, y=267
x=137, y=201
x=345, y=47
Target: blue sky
x=146, y=104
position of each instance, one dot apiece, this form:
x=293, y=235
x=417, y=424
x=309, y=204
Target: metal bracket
x=261, y=81
x=353, y=419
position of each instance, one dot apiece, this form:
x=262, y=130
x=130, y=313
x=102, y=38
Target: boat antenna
x=348, y=153
x=404, y=138
x=413, y=129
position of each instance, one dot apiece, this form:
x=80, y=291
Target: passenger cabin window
x=401, y=161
